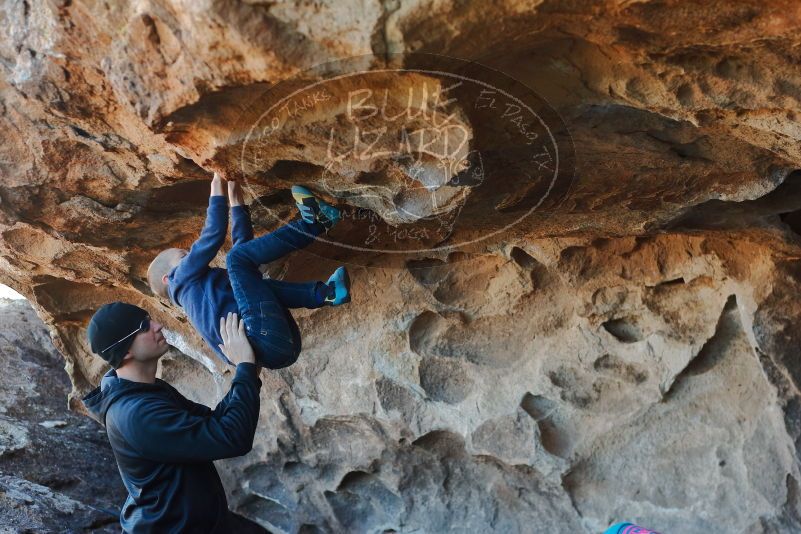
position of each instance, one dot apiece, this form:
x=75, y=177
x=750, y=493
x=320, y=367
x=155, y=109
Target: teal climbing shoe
x=313, y=209
x=339, y=282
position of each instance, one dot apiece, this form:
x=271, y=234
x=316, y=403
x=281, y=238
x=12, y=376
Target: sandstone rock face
x=521, y=353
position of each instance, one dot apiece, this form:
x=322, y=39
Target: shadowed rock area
x=57, y=470
x=564, y=322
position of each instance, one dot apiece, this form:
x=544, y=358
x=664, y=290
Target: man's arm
x=195, y=408
x=211, y=237
x=241, y=227
x=236, y=347
x=161, y=432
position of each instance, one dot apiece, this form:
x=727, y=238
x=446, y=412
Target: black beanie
x=111, y=323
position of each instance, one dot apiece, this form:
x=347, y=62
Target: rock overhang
x=679, y=213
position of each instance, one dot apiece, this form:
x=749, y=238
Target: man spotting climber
x=165, y=444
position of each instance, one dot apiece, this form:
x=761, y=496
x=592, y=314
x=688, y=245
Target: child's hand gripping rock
x=216, y=186
x=235, y=194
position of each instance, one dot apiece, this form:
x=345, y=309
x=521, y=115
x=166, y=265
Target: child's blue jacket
x=205, y=292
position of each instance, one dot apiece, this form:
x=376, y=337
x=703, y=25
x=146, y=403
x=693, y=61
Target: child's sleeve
x=208, y=244
x=241, y=227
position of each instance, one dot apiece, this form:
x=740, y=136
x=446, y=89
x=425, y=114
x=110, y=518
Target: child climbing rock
x=208, y=294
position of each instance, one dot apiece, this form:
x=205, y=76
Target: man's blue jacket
x=165, y=444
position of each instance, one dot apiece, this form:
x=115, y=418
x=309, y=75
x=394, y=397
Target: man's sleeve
x=208, y=244
x=196, y=408
x=241, y=227
x=161, y=432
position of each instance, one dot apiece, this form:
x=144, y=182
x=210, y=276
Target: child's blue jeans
x=263, y=303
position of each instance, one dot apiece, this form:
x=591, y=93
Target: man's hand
x=236, y=346
x=216, y=186
x=235, y=194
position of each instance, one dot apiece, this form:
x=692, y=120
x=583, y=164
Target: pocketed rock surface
x=629, y=351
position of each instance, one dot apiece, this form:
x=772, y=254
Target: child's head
x=161, y=266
